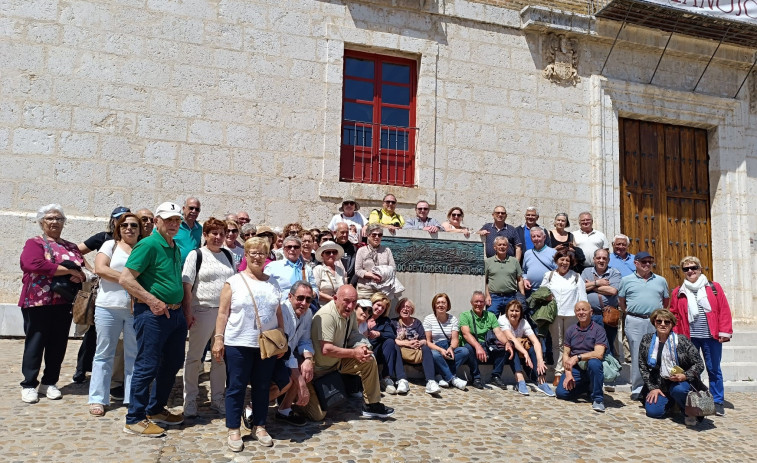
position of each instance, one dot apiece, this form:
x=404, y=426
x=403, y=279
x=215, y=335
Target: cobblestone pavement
x=472, y=426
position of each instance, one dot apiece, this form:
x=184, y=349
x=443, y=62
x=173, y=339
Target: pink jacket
x=718, y=319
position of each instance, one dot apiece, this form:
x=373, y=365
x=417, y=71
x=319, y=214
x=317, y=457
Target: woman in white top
x=237, y=333
x=331, y=275
x=231, y=243
x=113, y=314
x=442, y=337
x=567, y=288
x=454, y=223
x=205, y=271
x=515, y=327
x=349, y=214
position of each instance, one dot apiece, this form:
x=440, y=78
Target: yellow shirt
x=386, y=218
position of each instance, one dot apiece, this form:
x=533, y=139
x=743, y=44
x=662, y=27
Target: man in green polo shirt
x=153, y=278
x=504, y=278
x=474, y=324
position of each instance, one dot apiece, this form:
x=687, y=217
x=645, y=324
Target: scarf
x=696, y=295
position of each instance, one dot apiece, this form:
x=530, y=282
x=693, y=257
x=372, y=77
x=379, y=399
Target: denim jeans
x=109, y=324
x=244, y=366
x=388, y=353
x=610, y=332
x=500, y=302
x=678, y=392
x=160, y=355
x=516, y=364
x=712, y=351
x=589, y=381
x=496, y=358
x=448, y=368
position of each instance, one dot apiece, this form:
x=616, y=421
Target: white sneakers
x=29, y=395
x=50, y=391
x=190, y=407
x=403, y=387
x=389, y=386
x=432, y=387
x=459, y=383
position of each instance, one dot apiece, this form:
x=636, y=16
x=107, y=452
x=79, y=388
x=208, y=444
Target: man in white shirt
x=588, y=239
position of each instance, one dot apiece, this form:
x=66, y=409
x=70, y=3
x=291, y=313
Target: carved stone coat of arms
x=561, y=55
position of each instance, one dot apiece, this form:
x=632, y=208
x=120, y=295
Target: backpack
x=198, y=263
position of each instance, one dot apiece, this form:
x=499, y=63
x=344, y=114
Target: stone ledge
x=541, y=18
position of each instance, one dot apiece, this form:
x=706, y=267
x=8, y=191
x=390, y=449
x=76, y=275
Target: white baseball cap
x=168, y=210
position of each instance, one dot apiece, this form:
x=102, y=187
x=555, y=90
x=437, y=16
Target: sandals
x=262, y=436
x=236, y=445
x=96, y=410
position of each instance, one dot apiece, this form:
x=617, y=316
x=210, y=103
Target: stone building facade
x=239, y=102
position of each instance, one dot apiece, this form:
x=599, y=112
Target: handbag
x=330, y=390
x=84, y=303
x=272, y=342
x=610, y=314
x=699, y=403
x=526, y=343
x=411, y=356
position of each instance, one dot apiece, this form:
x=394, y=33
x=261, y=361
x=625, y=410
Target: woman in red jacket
x=704, y=316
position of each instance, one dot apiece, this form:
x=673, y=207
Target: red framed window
x=378, y=119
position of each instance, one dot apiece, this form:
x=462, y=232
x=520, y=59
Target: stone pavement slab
x=472, y=426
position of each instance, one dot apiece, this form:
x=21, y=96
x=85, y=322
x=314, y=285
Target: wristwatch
x=579, y=357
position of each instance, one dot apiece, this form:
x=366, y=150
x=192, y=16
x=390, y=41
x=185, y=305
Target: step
x=746, y=338
x=738, y=353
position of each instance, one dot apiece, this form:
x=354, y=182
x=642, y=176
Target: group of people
x=226, y=285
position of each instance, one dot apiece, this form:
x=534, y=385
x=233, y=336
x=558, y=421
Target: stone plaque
x=413, y=255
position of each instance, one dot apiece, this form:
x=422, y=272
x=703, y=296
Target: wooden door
x=665, y=194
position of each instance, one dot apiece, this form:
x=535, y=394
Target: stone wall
x=238, y=102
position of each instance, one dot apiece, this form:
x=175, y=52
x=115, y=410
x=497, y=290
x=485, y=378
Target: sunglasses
x=246, y=235
x=691, y=269
x=377, y=235
x=500, y=213
x=456, y=215
x=291, y=247
x=307, y=299
x=232, y=230
x=147, y=219
x=129, y=225
x=192, y=208
x=663, y=322
x=330, y=252
x=645, y=262
x=390, y=202
x=348, y=203
x=421, y=208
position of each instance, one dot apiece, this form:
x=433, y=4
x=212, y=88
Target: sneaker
x=497, y=381
x=262, y=436
x=218, y=405
x=117, y=393
x=443, y=383
x=459, y=383
x=145, y=429
x=403, y=387
x=432, y=387
x=635, y=396
x=166, y=418
x=190, y=407
x=719, y=410
x=29, y=395
x=598, y=406
x=522, y=388
x=235, y=445
x=377, y=410
x=544, y=388
x=690, y=421
x=477, y=383
x=50, y=391
x=389, y=386
x=292, y=418
x=247, y=417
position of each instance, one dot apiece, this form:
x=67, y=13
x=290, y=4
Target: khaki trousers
x=557, y=330
x=368, y=372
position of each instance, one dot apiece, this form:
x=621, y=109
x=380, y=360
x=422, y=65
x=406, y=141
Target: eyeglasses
x=330, y=252
x=246, y=235
x=325, y=238
x=193, y=208
x=292, y=233
x=255, y=253
x=232, y=230
x=690, y=269
x=387, y=201
x=291, y=247
x=54, y=219
x=662, y=322
x=500, y=213
x=377, y=235
x=129, y=225
x=147, y=220
x=307, y=299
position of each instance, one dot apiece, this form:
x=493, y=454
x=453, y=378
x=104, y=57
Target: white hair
x=532, y=208
x=621, y=236
x=44, y=210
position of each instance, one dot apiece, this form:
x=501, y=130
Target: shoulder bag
x=272, y=342
x=699, y=403
x=610, y=314
x=491, y=343
x=84, y=303
x=329, y=388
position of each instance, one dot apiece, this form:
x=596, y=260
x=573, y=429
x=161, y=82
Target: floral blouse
x=411, y=332
x=39, y=262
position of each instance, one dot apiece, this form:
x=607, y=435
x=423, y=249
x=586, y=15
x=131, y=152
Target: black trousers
x=87, y=351
x=46, y=328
